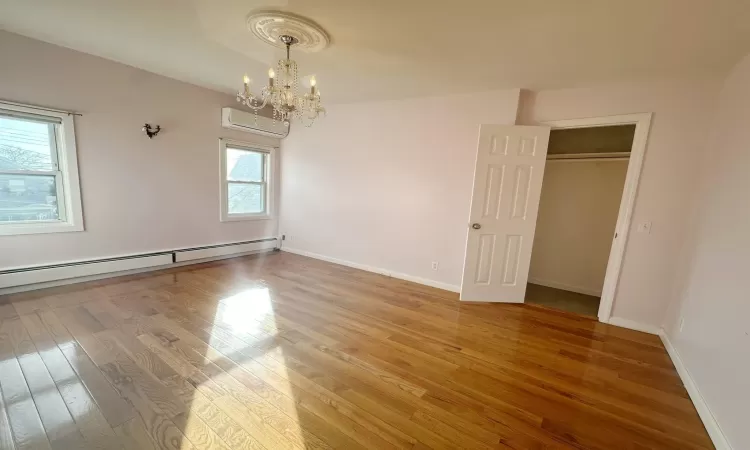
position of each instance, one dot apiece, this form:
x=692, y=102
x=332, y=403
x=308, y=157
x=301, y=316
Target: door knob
x=476, y=226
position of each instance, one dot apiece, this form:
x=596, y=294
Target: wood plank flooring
x=279, y=351
x=562, y=300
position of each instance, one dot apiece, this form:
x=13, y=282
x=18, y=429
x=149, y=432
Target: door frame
x=642, y=122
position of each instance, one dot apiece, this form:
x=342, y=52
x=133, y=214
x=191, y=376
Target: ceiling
x=385, y=49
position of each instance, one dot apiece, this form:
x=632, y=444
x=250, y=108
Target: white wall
x=138, y=195
x=576, y=223
x=681, y=110
x=388, y=184
x=712, y=291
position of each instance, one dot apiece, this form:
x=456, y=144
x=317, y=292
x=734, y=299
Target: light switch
x=644, y=227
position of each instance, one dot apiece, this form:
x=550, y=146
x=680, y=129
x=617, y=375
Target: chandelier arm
x=249, y=103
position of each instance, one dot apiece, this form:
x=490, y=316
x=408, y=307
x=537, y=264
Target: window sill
x=242, y=218
x=39, y=228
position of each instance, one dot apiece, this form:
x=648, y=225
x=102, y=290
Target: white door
x=504, y=205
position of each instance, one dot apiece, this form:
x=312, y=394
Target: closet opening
x=583, y=191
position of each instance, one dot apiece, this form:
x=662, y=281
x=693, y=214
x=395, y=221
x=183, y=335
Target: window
x=39, y=190
x=246, y=192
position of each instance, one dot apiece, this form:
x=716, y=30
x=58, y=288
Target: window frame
x=65, y=171
x=269, y=161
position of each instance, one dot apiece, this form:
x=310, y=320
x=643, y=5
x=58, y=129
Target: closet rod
x=603, y=156
x=587, y=159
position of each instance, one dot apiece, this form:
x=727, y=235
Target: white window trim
x=270, y=177
x=68, y=184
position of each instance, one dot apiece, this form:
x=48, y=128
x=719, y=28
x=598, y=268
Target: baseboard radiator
x=26, y=278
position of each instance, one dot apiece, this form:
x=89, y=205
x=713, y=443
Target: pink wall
x=138, y=195
x=388, y=184
x=680, y=110
x=712, y=289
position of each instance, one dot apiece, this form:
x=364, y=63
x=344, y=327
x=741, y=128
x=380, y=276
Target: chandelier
x=282, y=91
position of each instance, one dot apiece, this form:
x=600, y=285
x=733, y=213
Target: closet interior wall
x=581, y=192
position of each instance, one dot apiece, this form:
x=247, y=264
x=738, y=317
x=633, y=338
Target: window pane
x=244, y=165
x=27, y=197
x=246, y=198
x=25, y=144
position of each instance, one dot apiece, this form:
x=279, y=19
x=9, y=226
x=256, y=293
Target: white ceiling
x=404, y=48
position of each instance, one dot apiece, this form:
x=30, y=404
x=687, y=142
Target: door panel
x=507, y=186
x=485, y=258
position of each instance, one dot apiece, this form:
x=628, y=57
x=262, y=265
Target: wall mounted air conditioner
x=236, y=119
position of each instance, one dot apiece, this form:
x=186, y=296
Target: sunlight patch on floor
x=249, y=316
x=245, y=311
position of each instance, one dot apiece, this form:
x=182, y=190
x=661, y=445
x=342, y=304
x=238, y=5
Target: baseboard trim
x=103, y=276
x=28, y=279
x=400, y=276
x=566, y=287
x=225, y=251
x=633, y=325
x=718, y=437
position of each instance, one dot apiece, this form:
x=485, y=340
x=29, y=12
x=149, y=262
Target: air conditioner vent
x=236, y=119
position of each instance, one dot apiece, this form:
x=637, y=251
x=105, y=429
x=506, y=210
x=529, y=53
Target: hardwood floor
x=281, y=351
x=572, y=302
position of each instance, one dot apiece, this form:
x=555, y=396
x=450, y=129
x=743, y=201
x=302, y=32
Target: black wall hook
x=151, y=131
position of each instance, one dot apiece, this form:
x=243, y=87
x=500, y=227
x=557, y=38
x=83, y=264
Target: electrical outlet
x=435, y=265
x=283, y=237
x=682, y=323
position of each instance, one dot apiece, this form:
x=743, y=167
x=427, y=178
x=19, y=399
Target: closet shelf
x=615, y=156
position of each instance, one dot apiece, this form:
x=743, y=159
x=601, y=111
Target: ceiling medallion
x=269, y=26
x=286, y=30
